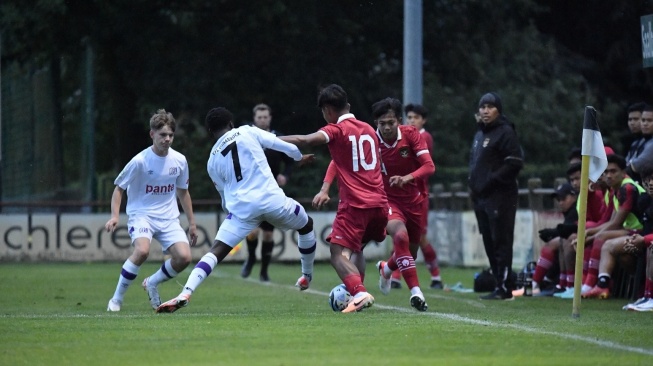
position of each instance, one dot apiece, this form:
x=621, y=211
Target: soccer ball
x=339, y=298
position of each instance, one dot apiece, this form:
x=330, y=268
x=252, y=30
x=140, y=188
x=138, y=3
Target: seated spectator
x=639, y=245
x=623, y=222
x=566, y=197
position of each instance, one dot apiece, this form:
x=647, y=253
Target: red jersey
x=407, y=155
x=354, y=151
x=428, y=140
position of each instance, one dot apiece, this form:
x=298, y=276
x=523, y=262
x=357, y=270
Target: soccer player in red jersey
x=416, y=116
x=362, y=212
x=406, y=165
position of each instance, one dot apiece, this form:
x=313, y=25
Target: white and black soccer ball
x=339, y=298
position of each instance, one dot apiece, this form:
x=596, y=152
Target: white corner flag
x=592, y=145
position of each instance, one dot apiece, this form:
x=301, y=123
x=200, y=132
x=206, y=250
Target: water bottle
x=528, y=284
x=528, y=279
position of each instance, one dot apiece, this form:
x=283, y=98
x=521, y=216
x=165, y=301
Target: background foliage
x=548, y=60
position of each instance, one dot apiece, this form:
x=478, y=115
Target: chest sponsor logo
x=165, y=189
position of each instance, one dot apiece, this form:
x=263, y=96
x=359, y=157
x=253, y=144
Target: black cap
x=491, y=98
x=563, y=190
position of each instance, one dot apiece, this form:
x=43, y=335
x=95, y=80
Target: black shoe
x=436, y=284
x=498, y=294
x=264, y=277
x=395, y=284
x=247, y=268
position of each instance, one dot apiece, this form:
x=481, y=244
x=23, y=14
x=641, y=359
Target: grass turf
x=55, y=314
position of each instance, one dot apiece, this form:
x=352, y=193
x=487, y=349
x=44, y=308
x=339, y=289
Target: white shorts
x=167, y=232
x=291, y=216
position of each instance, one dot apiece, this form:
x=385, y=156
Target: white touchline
x=458, y=318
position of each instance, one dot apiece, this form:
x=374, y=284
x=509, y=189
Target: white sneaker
x=152, y=293
x=645, y=306
x=418, y=302
x=384, y=283
x=114, y=305
x=639, y=301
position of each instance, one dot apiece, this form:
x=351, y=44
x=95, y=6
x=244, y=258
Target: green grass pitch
x=55, y=314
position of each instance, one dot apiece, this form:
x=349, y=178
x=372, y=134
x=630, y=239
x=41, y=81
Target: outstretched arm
x=302, y=141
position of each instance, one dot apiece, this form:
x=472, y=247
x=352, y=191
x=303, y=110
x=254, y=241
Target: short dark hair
x=647, y=108
x=418, y=109
x=333, y=95
x=261, y=107
x=218, y=118
x=383, y=106
x=617, y=159
x=636, y=107
x=573, y=168
x=646, y=169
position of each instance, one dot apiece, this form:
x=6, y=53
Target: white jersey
x=151, y=182
x=240, y=171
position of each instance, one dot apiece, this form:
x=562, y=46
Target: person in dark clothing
x=262, y=119
x=495, y=161
x=632, y=141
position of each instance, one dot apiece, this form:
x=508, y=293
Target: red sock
x=405, y=260
x=562, y=281
x=547, y=256
x=354, y=284
x=593, y=267
x=407, y=267
x=392, y=262
x=431, y=260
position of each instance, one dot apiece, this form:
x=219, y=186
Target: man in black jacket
x=495, y=161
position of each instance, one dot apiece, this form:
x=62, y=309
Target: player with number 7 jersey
x=363, y=208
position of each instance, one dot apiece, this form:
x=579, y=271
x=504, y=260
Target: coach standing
x=495, y=161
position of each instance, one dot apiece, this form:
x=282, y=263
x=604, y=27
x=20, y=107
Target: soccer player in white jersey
x=250, y=195
x=154, y=179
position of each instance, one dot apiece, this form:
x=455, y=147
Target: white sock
x=436, y=278
x=127, y=275
x=416, y=290
x=307, y=245
x=202, y=270
x=585, y=288
x=164, y=273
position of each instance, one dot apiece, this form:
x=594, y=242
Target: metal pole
x=88, y=120
x=413, y=51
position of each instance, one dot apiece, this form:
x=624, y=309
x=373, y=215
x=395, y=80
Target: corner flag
x=594, y=162
x=592, y=145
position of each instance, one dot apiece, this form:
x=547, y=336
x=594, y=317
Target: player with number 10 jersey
x=363, y=208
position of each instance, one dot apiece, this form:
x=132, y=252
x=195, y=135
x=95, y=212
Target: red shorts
x=425, y=211
x=412, y=216
x=355, y=226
